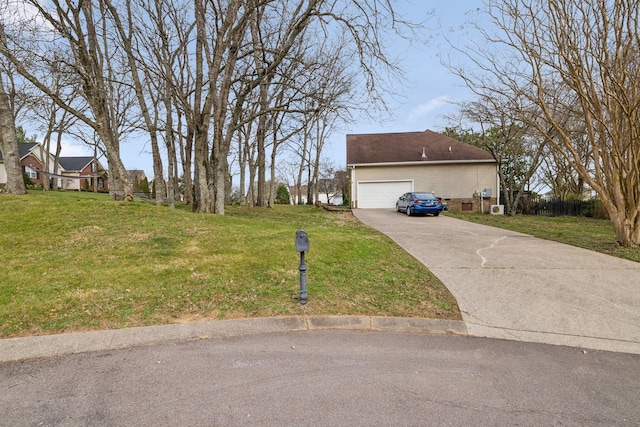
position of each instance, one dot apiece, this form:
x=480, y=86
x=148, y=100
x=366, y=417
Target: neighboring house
x=335, y=199
x=293, y=195
x=32, y=159
x=138, y=180
x=330, y=189
x=136, y=176
x=83, y=173
x=74, y=173
x=329, y=192
x=384, y=166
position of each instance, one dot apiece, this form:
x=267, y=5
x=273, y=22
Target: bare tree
x=80, y=28
x=52, y=120
x=9, y=145
x=560, y=175
x=328, y=180
x=517, y=148
x=128, y=29
x=174, y=66
x=214, y=68
x=218, y=118
x=580, y=56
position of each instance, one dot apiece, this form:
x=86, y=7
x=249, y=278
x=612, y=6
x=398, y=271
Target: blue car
x=419, y=203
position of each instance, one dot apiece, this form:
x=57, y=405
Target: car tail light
x=416, y=202
x=438, y=202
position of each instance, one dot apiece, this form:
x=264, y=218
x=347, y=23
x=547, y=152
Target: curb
x=14, y=349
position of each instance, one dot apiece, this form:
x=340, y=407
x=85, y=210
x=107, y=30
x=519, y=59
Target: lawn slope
x=76, y=261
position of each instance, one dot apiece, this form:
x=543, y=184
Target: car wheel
x=408, y=211
x=436, y=214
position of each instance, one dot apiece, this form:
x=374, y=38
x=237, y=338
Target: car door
x=402, y=201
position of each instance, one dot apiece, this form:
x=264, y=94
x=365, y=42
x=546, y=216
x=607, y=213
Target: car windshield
x=424, y=196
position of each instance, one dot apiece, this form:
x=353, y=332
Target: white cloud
x=70, y=149
x=428, y=107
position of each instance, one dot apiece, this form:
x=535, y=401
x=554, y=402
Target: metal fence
x=558, y=207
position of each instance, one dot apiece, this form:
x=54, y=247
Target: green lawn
x=76, y=261
x=593, y=234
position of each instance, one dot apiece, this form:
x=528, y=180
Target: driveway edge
x=14, y=349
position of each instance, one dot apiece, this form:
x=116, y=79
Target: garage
x=384, y=166
x=381, y=194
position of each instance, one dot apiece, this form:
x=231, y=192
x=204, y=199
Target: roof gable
x=74, y=164
x=24, y=148
x=409, y=147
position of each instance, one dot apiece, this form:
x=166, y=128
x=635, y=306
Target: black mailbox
x=302, y=241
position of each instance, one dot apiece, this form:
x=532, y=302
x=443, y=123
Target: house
x=294, y=199
x=32, y=159
x=384, y=166
x=136, y=177
x=83, y=173
x=73, y=173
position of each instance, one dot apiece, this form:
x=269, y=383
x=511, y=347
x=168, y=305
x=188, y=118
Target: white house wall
x=71, y=183
x=448, y=181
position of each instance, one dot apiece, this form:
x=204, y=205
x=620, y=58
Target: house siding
x=35, y=164
x=455, y=183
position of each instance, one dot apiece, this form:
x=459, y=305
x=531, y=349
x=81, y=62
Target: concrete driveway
x=514, y=286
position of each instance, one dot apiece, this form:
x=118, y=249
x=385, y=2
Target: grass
x=77, y=261
x=594, y=234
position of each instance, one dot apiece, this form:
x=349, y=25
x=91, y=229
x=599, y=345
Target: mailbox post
x=302, y=246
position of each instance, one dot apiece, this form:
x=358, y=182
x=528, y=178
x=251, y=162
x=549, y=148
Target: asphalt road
x=326, y=378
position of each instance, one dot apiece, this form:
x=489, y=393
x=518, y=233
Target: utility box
x=302, y=241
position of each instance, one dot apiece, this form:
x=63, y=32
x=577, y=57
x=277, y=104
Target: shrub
x=282, y=195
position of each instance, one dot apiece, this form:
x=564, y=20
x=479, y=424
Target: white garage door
x=381, y=194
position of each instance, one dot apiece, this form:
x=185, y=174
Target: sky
x=421, y=102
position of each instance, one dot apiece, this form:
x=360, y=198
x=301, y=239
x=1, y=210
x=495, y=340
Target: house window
x=32, y=173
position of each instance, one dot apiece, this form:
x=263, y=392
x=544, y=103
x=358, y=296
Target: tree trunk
x=158, y=175
x=274, y=182
x=9, y=146
x=220, y=184
x=262, y=160
x=251, y=192
x=56, y=160
x=625, y=220
x=171, y=147
x=303, y=163
x=185, y=145
x=242, y=164
x=203, y=191
x=122, y=188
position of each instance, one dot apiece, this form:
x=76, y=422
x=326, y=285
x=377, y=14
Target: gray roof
x=75, y=164
x=23, y=149
x=409, y=147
